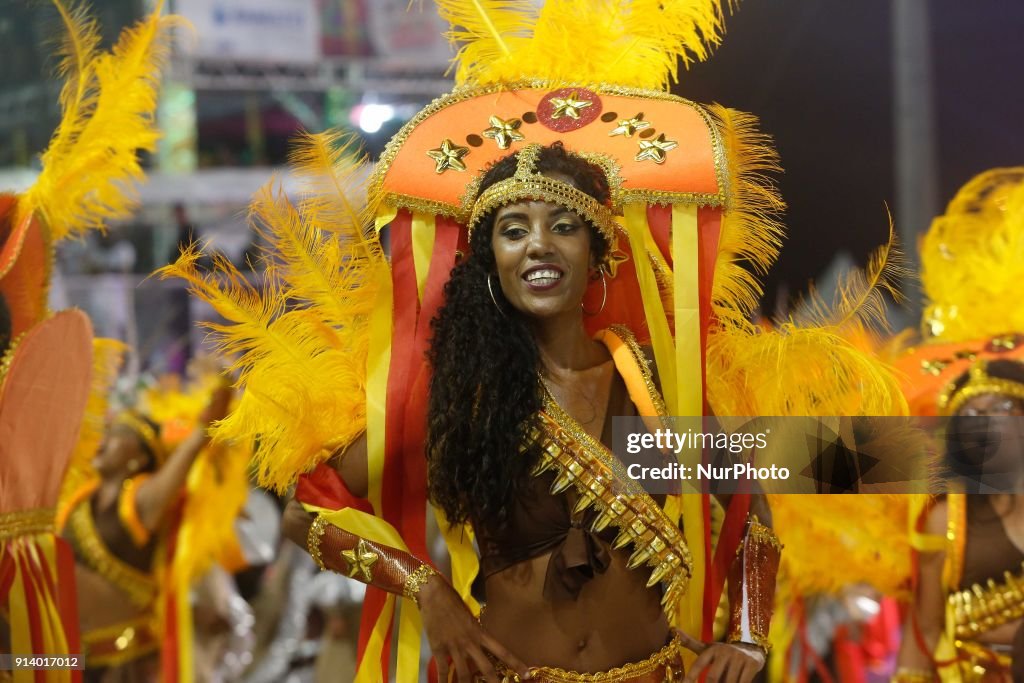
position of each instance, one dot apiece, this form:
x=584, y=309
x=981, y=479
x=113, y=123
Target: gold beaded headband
x=979, y=383
x=145, y=432
x=527, y=183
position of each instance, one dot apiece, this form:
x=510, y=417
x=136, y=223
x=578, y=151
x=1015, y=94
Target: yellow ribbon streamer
x=689, y=391
x=30, y=554
x=686, y=284
x=424, y=231
x=378, y=364
x=639, y=233
x=465, y=563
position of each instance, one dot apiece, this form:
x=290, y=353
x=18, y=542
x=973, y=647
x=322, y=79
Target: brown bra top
x=540, y=522
x=988, y=552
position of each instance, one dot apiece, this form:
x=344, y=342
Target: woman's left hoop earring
x=604, y=294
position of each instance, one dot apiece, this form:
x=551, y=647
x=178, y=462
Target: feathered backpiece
x=108, y=106
x=818, y=363
x=299, y=337
x=814, y=363
x=972, y=261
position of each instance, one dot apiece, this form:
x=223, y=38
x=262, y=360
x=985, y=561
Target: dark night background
x=819, y=76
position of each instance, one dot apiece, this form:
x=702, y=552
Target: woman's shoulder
x=641, y=352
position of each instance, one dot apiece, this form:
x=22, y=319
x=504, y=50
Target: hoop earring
x=604, y=295
x=491, y=290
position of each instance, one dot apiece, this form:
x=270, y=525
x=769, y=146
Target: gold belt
x=665, y=665
x=979, y=663
x=118, y=644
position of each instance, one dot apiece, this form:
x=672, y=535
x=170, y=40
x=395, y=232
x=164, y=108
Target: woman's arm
x=456, y=638
x=928, y=615
x=156, y=494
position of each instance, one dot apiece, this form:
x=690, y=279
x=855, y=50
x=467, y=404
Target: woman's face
x=120, y=453
x=991, y=429
x=543, y=255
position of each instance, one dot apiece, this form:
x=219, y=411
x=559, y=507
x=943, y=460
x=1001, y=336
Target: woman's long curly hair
x=485, y=362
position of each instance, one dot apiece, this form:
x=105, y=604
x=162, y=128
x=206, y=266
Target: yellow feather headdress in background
x=972, y=261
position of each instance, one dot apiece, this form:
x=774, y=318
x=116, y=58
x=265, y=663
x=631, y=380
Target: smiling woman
x=476, y=366
x=529, y=265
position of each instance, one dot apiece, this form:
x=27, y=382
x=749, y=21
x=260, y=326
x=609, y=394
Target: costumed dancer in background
x=147, y=518
x=49, y=373
x=546, y=221
x=214, y=541
x=117, y=525
x=965, y=620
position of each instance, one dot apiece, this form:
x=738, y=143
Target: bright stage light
x=373, y=116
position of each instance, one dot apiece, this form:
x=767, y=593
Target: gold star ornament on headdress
x=568, y=106
x=504, y=132
x=448, y=155
x=627, y=127
x=655, y=150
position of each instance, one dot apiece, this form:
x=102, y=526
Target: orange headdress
x=972, y=264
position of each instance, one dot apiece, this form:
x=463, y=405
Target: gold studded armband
x=374, y=564
x=752, y=586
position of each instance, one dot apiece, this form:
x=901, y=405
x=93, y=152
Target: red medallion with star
x=568, y=109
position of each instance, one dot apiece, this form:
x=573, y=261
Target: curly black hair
x=484, y=386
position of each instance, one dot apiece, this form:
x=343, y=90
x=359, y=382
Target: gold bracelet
x=415, y=581
x=907, y=675
x=316, y=534
x=762, y=644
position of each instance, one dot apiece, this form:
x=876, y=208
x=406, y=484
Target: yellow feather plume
x=860, y=299
x=216, y=491
x=835, y=541
x=300, y=340
x=636, y=43
x=751, y=231
x=972, y=260
x=108, y=104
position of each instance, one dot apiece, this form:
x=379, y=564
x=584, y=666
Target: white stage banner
x=259, y=31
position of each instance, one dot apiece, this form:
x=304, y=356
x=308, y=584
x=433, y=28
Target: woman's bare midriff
x=614, y=621
x=1001, y=635
x=101, y=603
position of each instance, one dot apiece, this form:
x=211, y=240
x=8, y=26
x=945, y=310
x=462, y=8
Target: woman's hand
x=724, y=662
x=217, y=408
x=457, y=639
